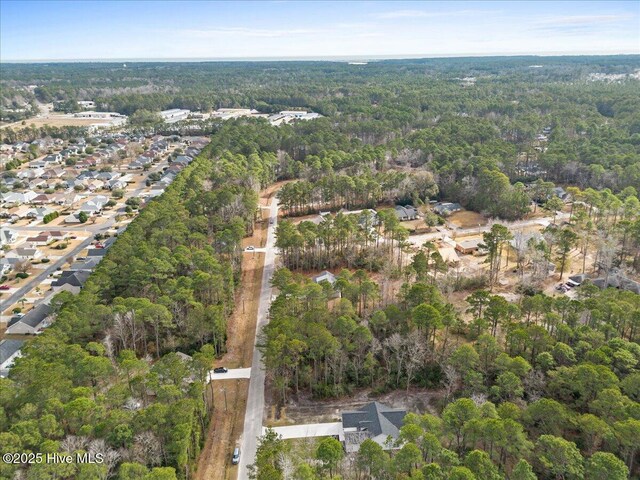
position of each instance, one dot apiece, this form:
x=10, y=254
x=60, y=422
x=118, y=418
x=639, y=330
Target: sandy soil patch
x=467, y=219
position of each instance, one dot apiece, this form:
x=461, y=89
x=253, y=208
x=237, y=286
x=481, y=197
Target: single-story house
x=24, y=253
x=406, y=212
x=32, y=323
x=85, y=265
x=374, y=421
x=468, y=246
x=7, y=236
x=41, y=199
x=6, y=265
x=19, y=197
x=39, y=212
x=53, y=158
x=9, y=352
x=578, y=279
x=96, y=252
x=70, y=281
x=445, y=209
x=56, y=235
x=39, y=240
x=325, y=276
x=561, y=193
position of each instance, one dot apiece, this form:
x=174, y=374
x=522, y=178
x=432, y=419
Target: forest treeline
x=542, y=388
x=539, y=388
x=414, y=112
x=105, y=376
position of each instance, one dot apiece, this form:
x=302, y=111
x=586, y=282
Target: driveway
x=233, y=373
x=309, y=430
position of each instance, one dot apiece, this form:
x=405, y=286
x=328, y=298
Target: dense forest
x=105, y=377
x=546, y=387
x=542, y=387
x=425, y=112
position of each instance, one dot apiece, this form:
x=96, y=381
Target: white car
x=250, y=248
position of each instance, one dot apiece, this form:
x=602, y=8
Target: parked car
x=250, y=248
x=4, y=287
x=99, y=245
x=220, y=370
x=235, y=459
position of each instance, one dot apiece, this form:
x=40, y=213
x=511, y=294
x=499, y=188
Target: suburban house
x=53, y=158
x=183, y=159
x=7, y=236
x=445, y=209
x=39, y=212
x=9, y=351
x=24, y=253
x=32, y=323
x=468, y=246
x=71, y=281
x=19, y=197
x=325, y=277
x=375, y=421
x=561, y=193
x=7, y=264
x=56, y=235
x=93, y=206
x=39, y=240
x=85, y=265
x=406, y=212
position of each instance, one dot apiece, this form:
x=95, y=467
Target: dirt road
x=230, y=396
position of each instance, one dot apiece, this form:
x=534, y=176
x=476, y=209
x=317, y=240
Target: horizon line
x=312, y=58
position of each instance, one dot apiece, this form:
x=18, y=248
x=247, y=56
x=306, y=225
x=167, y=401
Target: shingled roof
x=376, y=418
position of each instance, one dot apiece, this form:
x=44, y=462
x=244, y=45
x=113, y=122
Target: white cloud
x=246, y=32
x=423, y=13
x=582, y=19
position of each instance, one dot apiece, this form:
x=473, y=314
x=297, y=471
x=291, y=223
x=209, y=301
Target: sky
x=102, y=30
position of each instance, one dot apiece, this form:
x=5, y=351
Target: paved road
x=255, y=400
x=233, y=373
x=36, y=280
x=310, y=430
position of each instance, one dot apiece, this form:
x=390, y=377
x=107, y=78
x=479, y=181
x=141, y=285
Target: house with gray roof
x=70, y=281
x=9, y=352
x=406, y=212
x=7, y=236
x=375, y=421
x=445, y=209
x=85, y=265
x=32, y=323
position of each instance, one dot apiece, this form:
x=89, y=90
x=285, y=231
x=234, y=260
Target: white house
x=9, y=352
x=7, y=236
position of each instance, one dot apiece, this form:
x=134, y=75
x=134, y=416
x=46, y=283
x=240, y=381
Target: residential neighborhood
x=60, y=212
